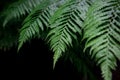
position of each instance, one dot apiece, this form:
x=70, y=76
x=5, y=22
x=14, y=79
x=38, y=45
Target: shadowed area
x=34, y=60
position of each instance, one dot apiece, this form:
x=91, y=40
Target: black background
x=34, y=61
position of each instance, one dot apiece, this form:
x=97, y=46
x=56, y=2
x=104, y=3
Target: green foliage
x=35, y=22
x=19, y=9
x=60, y=36
x=103, y=33
x=65, y=24
x=84, y=30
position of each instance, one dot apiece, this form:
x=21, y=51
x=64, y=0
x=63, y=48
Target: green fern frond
x=102, y=31
x=60, y=35
x=19, y=8
x=36, y=22
x=65, y=23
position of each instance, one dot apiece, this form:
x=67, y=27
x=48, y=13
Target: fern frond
x=65, y=23
x=102, y=32
x=19, y=8
x=36, y=22
x=60, y=35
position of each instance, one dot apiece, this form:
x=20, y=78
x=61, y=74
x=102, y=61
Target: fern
x=38, y=20
x=65, y=22
x=65, y=25
x=58, y=40
x=102, y=32
x=35, y=22
x=18, y=9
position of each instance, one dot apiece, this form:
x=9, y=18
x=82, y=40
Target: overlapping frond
x=19, y=8
x=36, y=22
x=65, y=23
x=102, y=30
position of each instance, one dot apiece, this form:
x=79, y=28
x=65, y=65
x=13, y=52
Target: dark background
x=34, y=61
